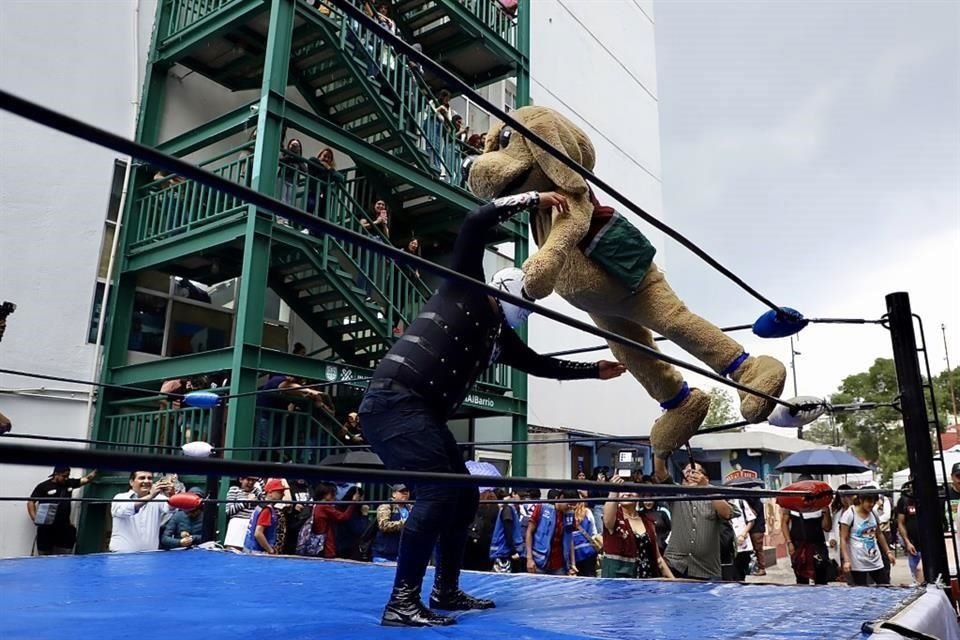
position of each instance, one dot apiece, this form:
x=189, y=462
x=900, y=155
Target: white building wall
x=53, y=200
x=596, y=63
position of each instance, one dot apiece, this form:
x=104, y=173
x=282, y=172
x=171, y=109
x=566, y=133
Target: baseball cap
x=274, y=484
x=400, y=487
x=61, y=469
x=197, y=491
x=956, y=469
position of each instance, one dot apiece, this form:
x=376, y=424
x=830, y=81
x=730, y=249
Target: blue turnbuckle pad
x=779, y=324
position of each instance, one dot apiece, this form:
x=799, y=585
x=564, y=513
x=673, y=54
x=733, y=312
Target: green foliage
x=941, y=389
x=823, y=431
x=877, y=435
x=722, y=409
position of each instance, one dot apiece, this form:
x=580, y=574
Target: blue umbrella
x=822, y=461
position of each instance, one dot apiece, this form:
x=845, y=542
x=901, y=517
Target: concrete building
x=61, y=201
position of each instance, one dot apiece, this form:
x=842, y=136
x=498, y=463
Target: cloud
x=796, y=139
x=893, y=65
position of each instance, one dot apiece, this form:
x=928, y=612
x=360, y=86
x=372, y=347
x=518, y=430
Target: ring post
x=916, y=429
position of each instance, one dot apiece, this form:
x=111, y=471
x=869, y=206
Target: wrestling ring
x=210, y=594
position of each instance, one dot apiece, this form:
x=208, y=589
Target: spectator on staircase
x=380, y=220
x=321, y=169
x=292, y=166
x=350, y=429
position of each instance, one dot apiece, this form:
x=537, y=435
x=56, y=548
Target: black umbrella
x=746, y=483
x=366, y=459
x=822, y=462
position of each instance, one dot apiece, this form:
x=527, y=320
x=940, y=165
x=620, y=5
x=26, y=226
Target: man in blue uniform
x=423, y=380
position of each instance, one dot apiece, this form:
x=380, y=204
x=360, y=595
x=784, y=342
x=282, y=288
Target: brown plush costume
x=614, y=281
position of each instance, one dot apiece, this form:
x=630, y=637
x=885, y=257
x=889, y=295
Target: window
x=148, y=324
x=106, y=245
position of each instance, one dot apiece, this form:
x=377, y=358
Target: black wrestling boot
x=449, y=597
x=406, y=610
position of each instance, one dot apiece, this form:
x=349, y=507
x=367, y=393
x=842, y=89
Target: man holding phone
x=137, y=519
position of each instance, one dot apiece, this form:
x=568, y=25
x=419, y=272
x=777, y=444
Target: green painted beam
x=193, y=364
x=211, y=132
x=196, y=35
x=196, y=241
x=521, y=246
x=240, y=428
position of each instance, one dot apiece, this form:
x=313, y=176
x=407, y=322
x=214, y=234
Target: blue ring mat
x=211, y=595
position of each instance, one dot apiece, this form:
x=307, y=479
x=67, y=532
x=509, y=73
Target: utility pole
x=793, y=367
x=946, y=356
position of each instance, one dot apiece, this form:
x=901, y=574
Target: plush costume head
x=511, y=281
x=511, y=164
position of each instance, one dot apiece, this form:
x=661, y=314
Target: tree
x=941, y=390
x=721, y=408
x=875, y=435
x=824, y=431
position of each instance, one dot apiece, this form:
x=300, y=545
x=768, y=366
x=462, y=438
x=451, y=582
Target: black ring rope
x=410, y=52
x=337, y=503
x=76, y=128
x=38, y=455
x=181, y=396
x=736, y=327
x=325, y=447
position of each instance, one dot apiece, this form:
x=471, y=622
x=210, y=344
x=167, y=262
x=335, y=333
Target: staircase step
x=365, y=343
x=356, y=111
x=308, y=283
x=294, y=267
x=342, y=94
x=372, y=129
x=344, y=311
x=323, y=298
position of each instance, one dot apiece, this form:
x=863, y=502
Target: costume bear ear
x=560, y=137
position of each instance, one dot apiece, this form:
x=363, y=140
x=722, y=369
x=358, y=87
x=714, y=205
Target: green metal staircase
x=356, y=80
x=349, y=295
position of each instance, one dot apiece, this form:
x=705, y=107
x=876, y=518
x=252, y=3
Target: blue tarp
x=207, y=595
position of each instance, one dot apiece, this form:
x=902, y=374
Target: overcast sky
x=814, y=148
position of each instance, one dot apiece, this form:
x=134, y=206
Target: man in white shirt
x=136, y=524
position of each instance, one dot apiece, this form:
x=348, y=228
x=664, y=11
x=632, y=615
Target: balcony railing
x=494, y=17
x=165, y=429
x=186, y=13
x=170, y=205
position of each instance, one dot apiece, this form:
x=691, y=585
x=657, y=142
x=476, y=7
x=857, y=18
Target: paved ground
x=783, y=574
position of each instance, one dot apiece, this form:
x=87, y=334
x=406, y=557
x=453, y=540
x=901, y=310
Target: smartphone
x=624, y=473
x=6, y=309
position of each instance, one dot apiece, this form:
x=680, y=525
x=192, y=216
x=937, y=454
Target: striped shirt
x=694, y=548
x=242, y=509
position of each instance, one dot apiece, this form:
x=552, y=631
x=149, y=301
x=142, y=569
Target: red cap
x=274, y=484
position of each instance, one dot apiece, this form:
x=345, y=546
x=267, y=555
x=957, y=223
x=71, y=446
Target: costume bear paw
x=541, y=271
x=676, y=426
x=762, y=373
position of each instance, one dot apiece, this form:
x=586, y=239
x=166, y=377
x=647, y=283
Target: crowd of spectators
x=619, y=534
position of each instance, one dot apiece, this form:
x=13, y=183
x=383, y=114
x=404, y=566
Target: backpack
x=308, y=542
